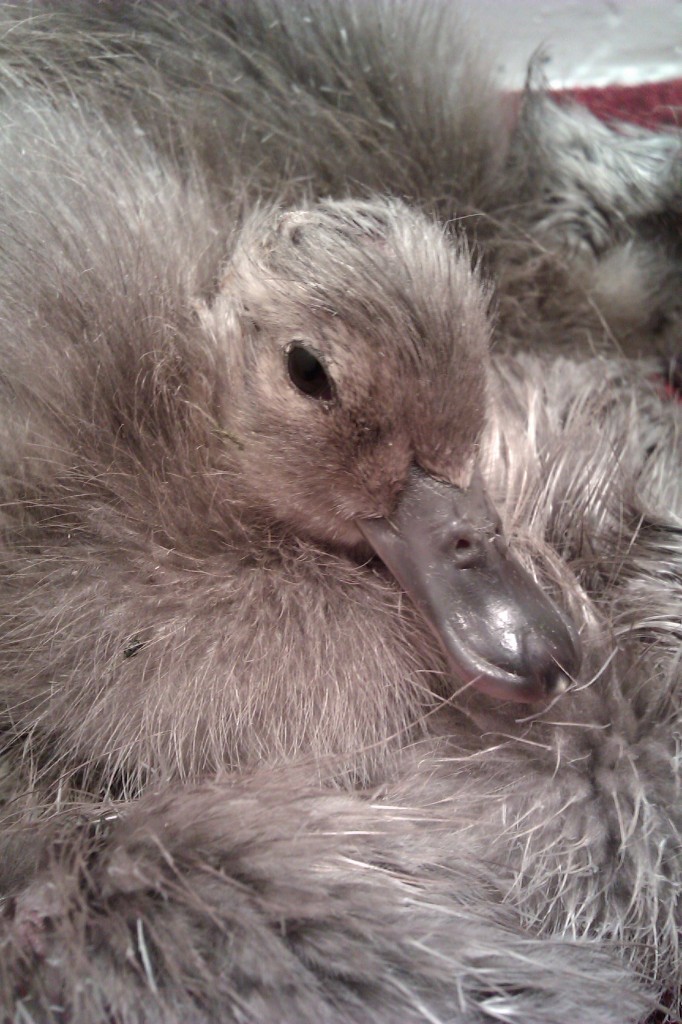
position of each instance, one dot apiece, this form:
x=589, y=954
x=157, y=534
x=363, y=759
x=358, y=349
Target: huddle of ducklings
x=340, y=527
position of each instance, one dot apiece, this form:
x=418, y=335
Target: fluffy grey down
x=238, y=782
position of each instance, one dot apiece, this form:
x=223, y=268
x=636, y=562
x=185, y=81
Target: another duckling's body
x=209, y=412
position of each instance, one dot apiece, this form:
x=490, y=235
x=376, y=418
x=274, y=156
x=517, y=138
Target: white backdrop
x=625, y=41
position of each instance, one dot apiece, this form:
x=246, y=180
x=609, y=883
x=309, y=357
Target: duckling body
x=197, y=510
x=243, y=778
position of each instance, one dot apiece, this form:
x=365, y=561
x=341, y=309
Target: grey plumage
x=239, y=781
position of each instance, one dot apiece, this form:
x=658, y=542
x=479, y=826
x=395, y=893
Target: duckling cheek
x=379, y=488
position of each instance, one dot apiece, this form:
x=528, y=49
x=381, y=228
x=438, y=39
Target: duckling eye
x=307, y=373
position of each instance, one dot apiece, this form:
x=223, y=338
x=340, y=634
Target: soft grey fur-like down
x=238, y=782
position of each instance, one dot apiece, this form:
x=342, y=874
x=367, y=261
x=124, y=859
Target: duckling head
x=357, y=339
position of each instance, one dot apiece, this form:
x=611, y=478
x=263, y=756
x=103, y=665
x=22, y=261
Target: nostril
x=462, y=547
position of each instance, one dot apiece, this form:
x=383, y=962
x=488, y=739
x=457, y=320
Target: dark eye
x=307, y=373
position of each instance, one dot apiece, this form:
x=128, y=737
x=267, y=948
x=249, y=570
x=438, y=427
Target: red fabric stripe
x=651, y=104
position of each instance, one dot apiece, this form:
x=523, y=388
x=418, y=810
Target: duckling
x=218, y=500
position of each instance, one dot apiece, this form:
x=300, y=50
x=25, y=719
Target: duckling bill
x=500, y=632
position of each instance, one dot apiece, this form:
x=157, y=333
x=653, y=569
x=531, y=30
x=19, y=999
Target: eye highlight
x=307, y=373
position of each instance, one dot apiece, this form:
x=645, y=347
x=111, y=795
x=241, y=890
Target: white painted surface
x=598, y=43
